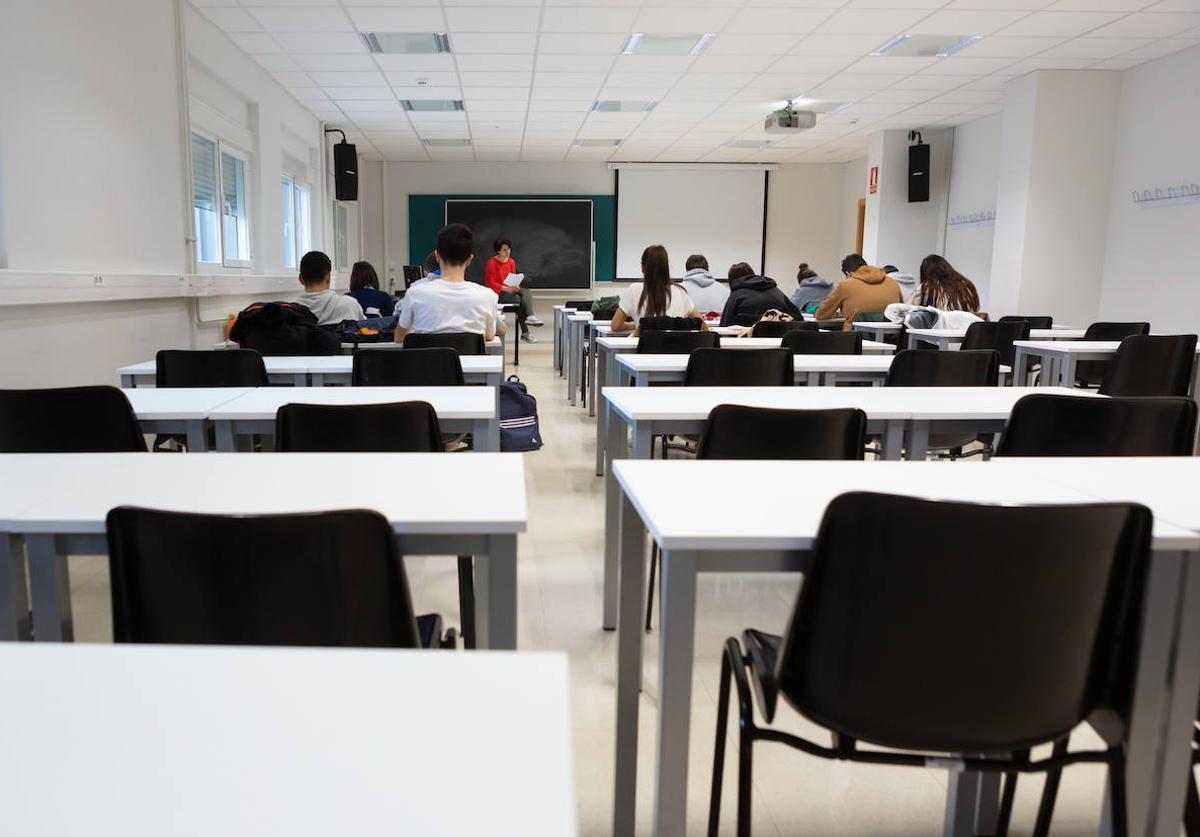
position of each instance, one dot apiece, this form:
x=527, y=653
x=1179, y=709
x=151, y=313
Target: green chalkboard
x=426, y=214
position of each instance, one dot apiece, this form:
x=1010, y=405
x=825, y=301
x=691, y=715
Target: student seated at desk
x=706, y=292
x=865, y=289
x=655, y=296
x=331, y=308
x=449, y=302
x=944, y=288
x=364, y=287
x=752, y=296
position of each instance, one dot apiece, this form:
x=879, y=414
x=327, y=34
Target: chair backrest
x=963, y=368
x=1091, y=372
x=998, y=336
x=323, y=579
x=604, y=314
x=403, y=427
x=1034, y=321
x=70, y=420
x=667, y=324
x=738, y=432
x=676, y=342
x=870, y=317
x=965, y=628
x=438, y=367
x=463, y=342
x=823, y=342
x=739, y=368
x=209, y=368
x=1147, y=365
x=1055, y=425
x=579, y=304
x=779, y=329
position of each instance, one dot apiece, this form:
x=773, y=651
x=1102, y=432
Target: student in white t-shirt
x=449, y=302
x=655, y=296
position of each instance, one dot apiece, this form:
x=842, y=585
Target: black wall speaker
x=345, y=171
x=918, y=173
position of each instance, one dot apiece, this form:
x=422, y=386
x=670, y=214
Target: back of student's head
x=455, y=244
x=805, y=272
x=363, y=275
x=740, y=271
x=431, y=262
x=315, y=267
x=852, y=263
x=694, y=262
x=656, y=277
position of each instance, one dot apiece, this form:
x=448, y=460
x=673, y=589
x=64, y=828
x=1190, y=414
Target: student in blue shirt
x=364, y=287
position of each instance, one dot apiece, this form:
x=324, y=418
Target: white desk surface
x=167, y=741
x=629, y=344
x=1070, y=346
x=494, y=345
x=790, y=520
x=983, y=403
x=888, y=326
x=483, y=493
x=329, y=364
x=801, y=363
x=180, y=404
x=1049, y=334
x=449, y=402
x=579, y=316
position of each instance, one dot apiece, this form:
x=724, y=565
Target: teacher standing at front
x=501, y=266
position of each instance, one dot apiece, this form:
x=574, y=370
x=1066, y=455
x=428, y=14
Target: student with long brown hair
x=655, y=296
x=944, y=288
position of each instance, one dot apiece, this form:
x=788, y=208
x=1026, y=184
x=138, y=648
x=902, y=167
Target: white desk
x=945, y=338
x=318, y=370
x=154, y=741
x=813, y=370
x=1059, y=360
x=460, y=409
x=577, y=324
x=878, y=331
x=759, y=531
x=495, y=346
x=450, y=511
x=180, y=410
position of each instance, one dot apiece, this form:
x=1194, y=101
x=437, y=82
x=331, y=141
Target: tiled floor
x=560, y=585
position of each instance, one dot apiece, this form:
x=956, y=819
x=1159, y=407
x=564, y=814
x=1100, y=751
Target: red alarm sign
x=874, y=187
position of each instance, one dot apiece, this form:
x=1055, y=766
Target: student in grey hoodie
x=706, y=292
x=330, y=307
x=906, y=281
x=813, y=288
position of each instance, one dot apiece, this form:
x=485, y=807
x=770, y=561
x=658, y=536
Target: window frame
x=221, y=147
x=290, y=258
x=301, y=226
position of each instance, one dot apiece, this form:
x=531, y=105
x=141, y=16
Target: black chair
x=323, y=579
x=604, y=314
x=70, y=420
x=646, y=324
x=1034, y=321
x=963, y=368
x=1045, y=615
x=823, y=342
x=1148, y=365
x=404, y=427
x=779, y=329
x=209, y=368
x=579, y=304
x=407, y=367
x=676, y=342
x=998, y=336
x=1055, y=425
x=1090, y=373
x=739, y=368
x=463, y=342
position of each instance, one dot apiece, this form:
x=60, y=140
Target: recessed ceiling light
x=445, y=142
x=406, y=43
x=597, y=143
x=756, y=144
x=926, y=46
x=427, y=105
x=640, y=43
x=622, y=106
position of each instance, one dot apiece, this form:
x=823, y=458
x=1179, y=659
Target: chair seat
x=762, y=649
x=429, y=630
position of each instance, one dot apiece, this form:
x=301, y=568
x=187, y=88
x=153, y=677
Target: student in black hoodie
x=752, y=296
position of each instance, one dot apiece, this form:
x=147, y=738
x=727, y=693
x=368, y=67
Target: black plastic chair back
x=209, y=368
x=823, y=342
x=738, y=432
x=739, y=368
x=604, y=314
x=771, y=328
x=1034, y=321
x=917, y=614
x=1091, y=372
x=579, y=304
x=676, y=342
x=998, y=336
x=963, y=368
x=463, y=342
x=403, y=427
x=325, y=579
x=1056, y=425
x=70, y=420
x=1148, y=365
x=407, y=368
x=667, y=324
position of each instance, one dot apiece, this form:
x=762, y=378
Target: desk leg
x=14, y=601
x=893, y=439
x=972, y=804
x=225, y=436
x=485, y=434
x=554, y=319
x=499, y=621
x=50, y=585
x=916, y=440
x=1067, y=371
x=593, y=371
x=813, y=379
x=616, y=448
x=676, y=649
x=197, y=438
x=1020, y=371
x=572, y=364
x=629, y=666
x=601, y=383
x=128, y=382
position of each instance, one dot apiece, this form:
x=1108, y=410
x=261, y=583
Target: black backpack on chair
x=282, y=329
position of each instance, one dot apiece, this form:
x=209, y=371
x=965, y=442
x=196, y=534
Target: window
x=220, y=201
x=297, y=222
x=341, y=233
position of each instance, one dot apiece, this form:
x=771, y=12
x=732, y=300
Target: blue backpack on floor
x=518, y=417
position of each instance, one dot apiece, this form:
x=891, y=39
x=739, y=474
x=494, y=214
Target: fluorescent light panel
x=640, y=43
x=597, y=143
x=445, y=142
x=752, y=144
x=432, y=105
x=926, y=46
x=406, y=43
x=622, y=106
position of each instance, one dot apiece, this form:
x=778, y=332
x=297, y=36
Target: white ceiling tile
x=1175, y=6
x=768, y=20
x=652, y=63
x=303, y=92
x=231, y=19
x=587, y=19
x=487, y=106
x=360, y=94
x=1029, y=65
x=202, y=4
x=301, y=19
x=963, y=66
x=293, y=79
x=872, y=21
x=481, y=79
x=895, y=4
x=890, y=65
x=491, y=19
x=354, y=107
x=839, y=45
x=518, y=43
x=1026, y=5
x=1098, y=5
x=342, y=63
x=409, y=19
x=931, y=109
x=970, y=97
x=659, y=19
x=277, y=62
x=1095, y=48
x=967, y=22
x=494, y=63
x=408, y=78
x=730, y=80
x=1065, y=24
x=321, y=42
x=732, y=63
x=561, y=79
x=1115, y=64
x=255, y=44
x=932, y=81
x=417, y=64
x=1003, y=46
x=350, y=79
x=573, y=63
x=581, y=44
x=730, y=43
x=1150, y=25
x=811, y=64
x=671, y=109
x=864, y=80
x=988, y=83
x=1160, y=48
x=289, y=3
x=579, y=94
x=499, y=94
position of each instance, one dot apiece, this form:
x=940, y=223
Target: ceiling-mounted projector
x=788, y=119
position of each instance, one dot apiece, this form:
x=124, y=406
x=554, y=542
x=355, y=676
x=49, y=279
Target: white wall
x=973, y=173
x=854, y=189
x=811, y=209
x=370, y=209
x=1151, y=257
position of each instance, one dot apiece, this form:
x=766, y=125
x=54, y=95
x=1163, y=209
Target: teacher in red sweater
x=500, y=266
